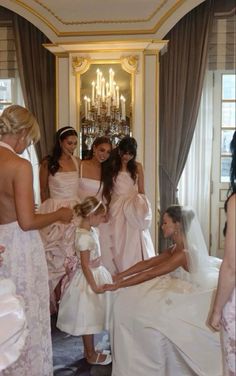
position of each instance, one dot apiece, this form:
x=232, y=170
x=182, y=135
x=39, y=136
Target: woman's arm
x=226, y=282
x=170, y=264
x=144, y=265
x=84, y=258
x=140, y=178
x=43, y=180
x=2, y=249
x=24, y=201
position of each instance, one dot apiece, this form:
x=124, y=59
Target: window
x=228, y=100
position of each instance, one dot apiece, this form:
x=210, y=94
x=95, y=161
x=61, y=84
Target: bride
x=159, y=324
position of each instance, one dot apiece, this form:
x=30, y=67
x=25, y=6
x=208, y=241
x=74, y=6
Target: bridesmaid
x=129, y=210
x=92, y=175
x=59, y=186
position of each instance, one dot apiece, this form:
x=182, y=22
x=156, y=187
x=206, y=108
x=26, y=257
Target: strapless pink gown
x=91, y=187
x=58, y=238
x=130, y=218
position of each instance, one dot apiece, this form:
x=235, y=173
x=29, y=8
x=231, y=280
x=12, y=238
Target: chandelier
x=104, y=111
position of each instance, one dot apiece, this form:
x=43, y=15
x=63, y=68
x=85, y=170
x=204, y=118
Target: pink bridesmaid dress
x=130, y=219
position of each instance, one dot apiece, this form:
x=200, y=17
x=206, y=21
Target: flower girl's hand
x=2, y=249
x=111, y=287
x=99, y=289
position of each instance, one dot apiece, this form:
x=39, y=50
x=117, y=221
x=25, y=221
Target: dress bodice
x=64, y=185
x=88, y=240
x=89, y=187
x=124, y=185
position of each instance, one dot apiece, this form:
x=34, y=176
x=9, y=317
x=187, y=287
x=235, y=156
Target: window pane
x=226, y=137
x=228, y=86
x=228, y=114
x=225, y=169
x=5, y=91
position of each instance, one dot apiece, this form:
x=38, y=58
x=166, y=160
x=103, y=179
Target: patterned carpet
x=68, y=354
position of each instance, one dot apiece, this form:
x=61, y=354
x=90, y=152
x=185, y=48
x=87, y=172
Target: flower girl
x=84, y=307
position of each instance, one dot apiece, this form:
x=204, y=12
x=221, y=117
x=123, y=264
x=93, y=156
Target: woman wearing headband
x=59, y=187
x=83, y=309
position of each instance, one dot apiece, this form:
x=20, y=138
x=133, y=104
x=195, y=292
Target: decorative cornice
x=80, y=64
x=112, y=21
x=130, y=64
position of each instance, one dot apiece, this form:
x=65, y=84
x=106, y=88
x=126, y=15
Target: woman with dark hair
x=129, y=209
x=91, y=178
x=59, y=186
x=162, y=330
x=223, y=312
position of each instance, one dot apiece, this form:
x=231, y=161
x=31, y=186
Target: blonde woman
x=24, y=259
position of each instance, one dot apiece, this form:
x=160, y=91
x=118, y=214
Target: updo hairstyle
x=16, y=118
x=89, y=205
x=182, y=215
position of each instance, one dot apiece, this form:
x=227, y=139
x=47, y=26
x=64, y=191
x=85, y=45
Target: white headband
x=67, y=130
x=95, y=208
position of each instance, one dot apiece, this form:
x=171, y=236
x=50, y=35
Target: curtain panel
x=182, y=71
x=36, y=68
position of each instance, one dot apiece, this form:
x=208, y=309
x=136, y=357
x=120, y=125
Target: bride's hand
x=116, y=277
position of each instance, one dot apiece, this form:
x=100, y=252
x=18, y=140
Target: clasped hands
x=110, y=286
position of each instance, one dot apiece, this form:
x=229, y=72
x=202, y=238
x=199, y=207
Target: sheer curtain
x=194, y=185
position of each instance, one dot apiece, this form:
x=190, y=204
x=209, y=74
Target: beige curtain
x=182, y=71
x=37, y=73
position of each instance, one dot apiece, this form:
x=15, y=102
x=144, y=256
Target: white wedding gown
x=159, y=328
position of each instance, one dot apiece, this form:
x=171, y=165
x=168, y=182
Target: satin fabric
x=81, y=310
x=130, y=219
x=59, y=238
x=13, y=326
x=91, y=187
x=159, y=328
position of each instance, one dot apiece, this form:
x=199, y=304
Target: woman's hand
x=2, y=249
x=65, y=214
x=215, y=321
x=111, y=286
x=99, y=289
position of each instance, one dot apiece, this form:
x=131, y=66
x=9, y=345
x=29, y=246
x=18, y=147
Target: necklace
x=7, y=146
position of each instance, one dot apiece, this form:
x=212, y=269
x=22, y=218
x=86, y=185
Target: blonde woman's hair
x=90, y=205
x=16, y=118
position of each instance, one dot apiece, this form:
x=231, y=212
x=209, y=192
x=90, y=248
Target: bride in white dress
x=159, y=326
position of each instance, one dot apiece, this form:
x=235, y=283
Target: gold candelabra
x=104, y=111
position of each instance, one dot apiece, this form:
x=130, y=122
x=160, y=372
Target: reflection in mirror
x=106, y=108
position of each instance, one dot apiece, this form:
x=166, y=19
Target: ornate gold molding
x=80, y=64
x=130, y=64
x=111, y=21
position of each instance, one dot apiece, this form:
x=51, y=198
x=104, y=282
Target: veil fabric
x=203, y=268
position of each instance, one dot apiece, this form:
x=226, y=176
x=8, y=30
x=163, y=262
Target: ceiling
x=73, y=19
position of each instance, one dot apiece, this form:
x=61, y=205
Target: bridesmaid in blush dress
x=92, y=171
x=129, y=210
x=59, y=186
